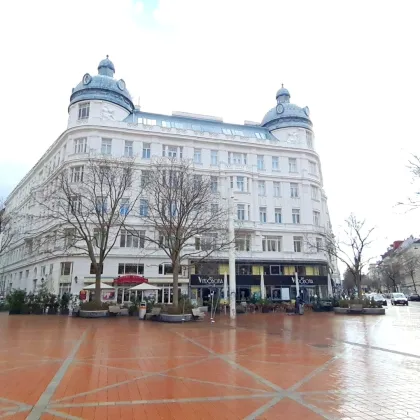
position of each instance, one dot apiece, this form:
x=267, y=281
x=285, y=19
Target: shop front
x=248, y=287
x=124, y=283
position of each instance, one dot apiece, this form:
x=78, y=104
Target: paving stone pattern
x=262, y=366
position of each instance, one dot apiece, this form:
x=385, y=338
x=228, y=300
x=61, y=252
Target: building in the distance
x=399, y=267
x=272, y=169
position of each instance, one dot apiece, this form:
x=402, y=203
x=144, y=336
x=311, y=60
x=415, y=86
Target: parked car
x=378, y=298
x=414, y=297
x=398, y=299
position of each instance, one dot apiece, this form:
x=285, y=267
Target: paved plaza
x=263, y=366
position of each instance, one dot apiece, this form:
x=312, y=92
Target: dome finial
x=107, y=56
x=281, y=84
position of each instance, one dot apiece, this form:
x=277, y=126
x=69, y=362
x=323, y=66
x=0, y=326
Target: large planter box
x=366, y=311
x=175, y=318
x=93, y=314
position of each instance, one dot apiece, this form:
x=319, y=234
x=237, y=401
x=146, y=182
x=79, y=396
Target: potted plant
x=75, y=305
x=16, y=301
x=64, y=304
x=53, y=304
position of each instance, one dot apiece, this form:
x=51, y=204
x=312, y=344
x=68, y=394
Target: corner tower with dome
x=270, y=168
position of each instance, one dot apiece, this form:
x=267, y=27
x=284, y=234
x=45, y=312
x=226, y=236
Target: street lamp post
x=232, y=272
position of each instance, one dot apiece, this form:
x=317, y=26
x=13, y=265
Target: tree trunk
x=175, y=267
x=98, y=277
x=414, y=284
x=359, y=286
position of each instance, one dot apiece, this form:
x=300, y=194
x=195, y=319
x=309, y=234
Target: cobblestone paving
x=262, y=366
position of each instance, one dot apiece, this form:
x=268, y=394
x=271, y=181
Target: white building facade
x=272, y=170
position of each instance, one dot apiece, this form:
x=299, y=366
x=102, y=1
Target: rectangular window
x=297, y=243
x=124, y=206
x=227, y=131
x=309, y=139
x=207, y=242
x=275, y=163
x=314, y=192
x=84, y=111
x=261, y=187
x=80, y=146
x=294, y=190
x=106, y=147
x=292, y=165
x=97, y=237
x=318, y=244
x=214, y=157
x=76, y=174
x=128, y=148
x=69, y=237
x=277, y=215
x=132, y=239
x=263, y=214
x=146, y=151
x=241, y=211
x=276, y=189
x=130, y=268
x=316, y=217
x=75, y=204
x=197, y=155
x=271, y=243
x=240, y=183
x=166, y=124
x=214, y=186
x=236, y=158
x=148, y=121
x=144, y=208
x=243, y=242
x=238, y=133
x=260, y=162
x=101, y=205
x=214, y=208
x=261, y=136
x=313, y=168
x=296, y=216
x=66, y=268
x=145, y=176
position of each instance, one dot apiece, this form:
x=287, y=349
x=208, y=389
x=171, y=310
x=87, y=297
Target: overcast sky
x=354, y=63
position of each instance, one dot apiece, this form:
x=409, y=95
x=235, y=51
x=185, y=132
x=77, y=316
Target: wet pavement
x=262, y=366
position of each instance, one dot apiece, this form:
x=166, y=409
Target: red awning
x=130, y=279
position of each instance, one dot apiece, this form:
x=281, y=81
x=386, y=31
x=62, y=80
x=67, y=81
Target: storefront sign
x=209, y=281
x=303, y=281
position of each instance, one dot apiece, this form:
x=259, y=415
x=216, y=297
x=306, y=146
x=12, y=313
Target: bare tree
x=411, y=266
x=391, y=273
x=184, y=210
x=7, y=233
x=350, y=250
x=85, y=208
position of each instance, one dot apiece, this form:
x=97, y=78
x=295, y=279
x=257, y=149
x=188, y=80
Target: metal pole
x=297, y=284
x=232, y=273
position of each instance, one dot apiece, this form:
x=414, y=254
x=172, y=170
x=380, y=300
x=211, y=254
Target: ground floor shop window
x=64, y=288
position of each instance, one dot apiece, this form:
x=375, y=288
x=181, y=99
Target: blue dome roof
x=286, y=114
x=103, y=87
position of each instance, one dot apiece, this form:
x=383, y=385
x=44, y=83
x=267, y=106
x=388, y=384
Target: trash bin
x=142, y=310
x=301, y=308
